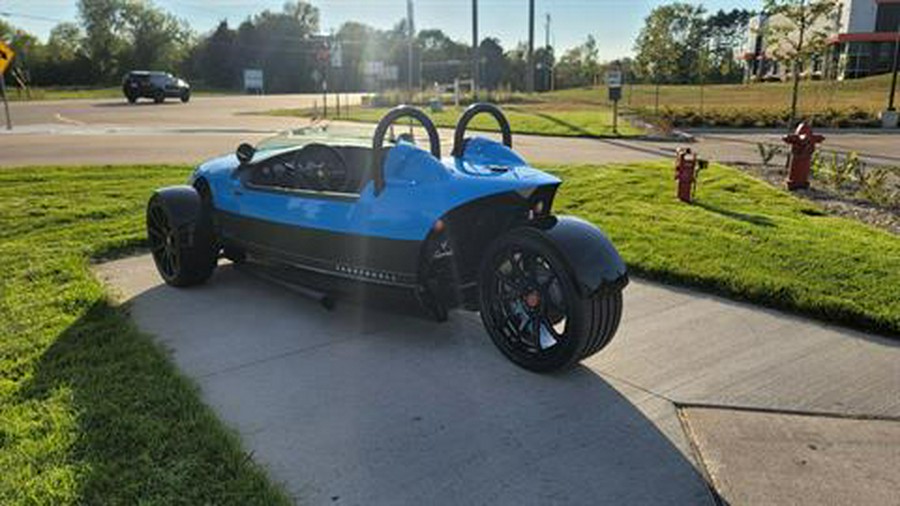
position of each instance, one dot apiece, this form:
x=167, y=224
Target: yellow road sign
x=6, y=56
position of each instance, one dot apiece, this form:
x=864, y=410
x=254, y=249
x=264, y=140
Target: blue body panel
x=419, y=190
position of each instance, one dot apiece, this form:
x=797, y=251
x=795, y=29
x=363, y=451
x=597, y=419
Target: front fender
x=183, y=203
x=592, y=259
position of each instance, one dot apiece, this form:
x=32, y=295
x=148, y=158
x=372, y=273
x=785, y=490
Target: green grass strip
x=91, y=410
x=524, y=119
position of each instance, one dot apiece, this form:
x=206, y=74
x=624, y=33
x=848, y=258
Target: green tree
x=154, y=38
x=797, y=31
x=212, y=59
x=492, y=63
x=102, y=20
x=670, y=42
x=725, y=30
x=579, y=65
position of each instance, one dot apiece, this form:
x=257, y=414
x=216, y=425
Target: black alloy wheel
x=181, y=257
x=532, y=310
x=163, y=243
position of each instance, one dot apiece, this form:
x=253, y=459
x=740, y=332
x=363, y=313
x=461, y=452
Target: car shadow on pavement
x=365, y=406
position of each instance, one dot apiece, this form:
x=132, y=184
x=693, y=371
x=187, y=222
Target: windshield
x=322, y=133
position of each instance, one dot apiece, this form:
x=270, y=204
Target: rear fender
x=592, y=259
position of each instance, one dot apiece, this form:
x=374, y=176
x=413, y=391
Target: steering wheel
x=459, y=137
x=321, y=167
x=402, y=111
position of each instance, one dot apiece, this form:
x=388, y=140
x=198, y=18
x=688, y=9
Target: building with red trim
x=863, y=37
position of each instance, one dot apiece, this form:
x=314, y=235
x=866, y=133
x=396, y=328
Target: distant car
x=318, y=211
x=155, y=85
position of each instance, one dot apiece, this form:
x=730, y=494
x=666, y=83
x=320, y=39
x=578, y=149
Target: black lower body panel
x=372, y=260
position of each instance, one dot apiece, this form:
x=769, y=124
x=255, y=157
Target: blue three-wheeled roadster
x=474, y=230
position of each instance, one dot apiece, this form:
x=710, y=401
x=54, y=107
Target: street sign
x=615, y=93
x=253, y=80
x=337, y=56
x=6, y=56
x=614, y=78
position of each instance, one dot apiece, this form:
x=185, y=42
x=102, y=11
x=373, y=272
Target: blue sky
x=614, y=23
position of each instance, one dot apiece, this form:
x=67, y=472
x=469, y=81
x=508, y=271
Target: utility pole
x=547, y=32
x=476, y=52
x=412, y=35
x=529, y=75
x=896, y=62
x=889, y=117
x=547, y=50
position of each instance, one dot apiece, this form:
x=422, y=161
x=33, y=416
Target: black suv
x=155, y=85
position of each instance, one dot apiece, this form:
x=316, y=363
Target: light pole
x=476, y=56
x=894, y=79
x=529, y=75
x=412, y=36
x=889, y=117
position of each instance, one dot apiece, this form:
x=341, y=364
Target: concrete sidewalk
x=359, y=406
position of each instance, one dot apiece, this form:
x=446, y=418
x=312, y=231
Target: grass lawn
x=534, y=119
x=743, y=238
x=869, y=94
x=91, y=410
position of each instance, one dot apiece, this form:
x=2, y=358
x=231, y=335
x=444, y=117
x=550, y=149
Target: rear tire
x=159, y=97
x=131, y=98
x=183, y=257
x=533, y=311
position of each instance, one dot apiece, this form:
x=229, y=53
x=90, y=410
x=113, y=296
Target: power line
x=9, y=14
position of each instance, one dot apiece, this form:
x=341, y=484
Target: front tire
x=533, y=311
x=185, y=96
x=182, y=257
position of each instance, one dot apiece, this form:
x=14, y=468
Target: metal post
x=656, y=107
x=412, y=34
x=5, y=102
x=476, y=51
x=529, y=75
x=615, y=117
x=894, y=79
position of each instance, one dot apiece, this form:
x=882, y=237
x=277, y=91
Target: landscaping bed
x=91, y=410
x=841, y=183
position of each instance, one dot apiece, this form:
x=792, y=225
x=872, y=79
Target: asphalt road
x=366, y=406
x=78, y=132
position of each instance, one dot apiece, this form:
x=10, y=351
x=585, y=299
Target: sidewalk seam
x=790, y=412
x=711, y=485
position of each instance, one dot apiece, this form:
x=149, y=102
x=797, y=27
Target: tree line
x=681, y=43
x=112, y=37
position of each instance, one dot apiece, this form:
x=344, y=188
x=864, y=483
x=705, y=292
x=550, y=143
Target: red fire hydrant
x=685, y=165
x=803, y=145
